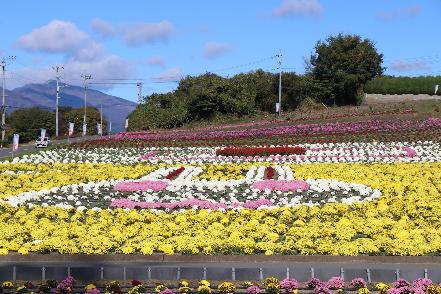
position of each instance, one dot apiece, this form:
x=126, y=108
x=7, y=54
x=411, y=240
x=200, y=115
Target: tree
x=206, y=95
x=76, y=116
x=344, y=63
x=265, y=86
x=295, y=88
x=158, y=111
x=28, y=122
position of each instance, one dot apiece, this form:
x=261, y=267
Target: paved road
x=6, y=153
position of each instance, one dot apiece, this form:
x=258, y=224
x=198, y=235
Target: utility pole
x=3, y=65
x=57, y=69
x=85, y=78
x=139, y=85
x=279, y=63
x=101, y=119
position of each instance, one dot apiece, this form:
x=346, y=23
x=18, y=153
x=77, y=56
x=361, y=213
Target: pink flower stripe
x=274, y=122
x=201, y=204
x=148, y=155
x=281, y=185
x=366, y=127
x=409, y=152
x=133, y=186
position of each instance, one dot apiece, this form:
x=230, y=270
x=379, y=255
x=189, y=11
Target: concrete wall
x=380, y=98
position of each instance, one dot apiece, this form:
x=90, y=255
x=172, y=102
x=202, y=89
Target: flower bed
x=281, y=185
x=349, y=198
x=291, y=130
x=260, y=151
x=173, y=174
x=132, y=186
x=280, y=134
x=269, y=285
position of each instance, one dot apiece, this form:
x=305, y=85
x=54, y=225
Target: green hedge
x=403, y=85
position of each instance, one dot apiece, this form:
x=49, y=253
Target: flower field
x=343, y=188
x=270, y=285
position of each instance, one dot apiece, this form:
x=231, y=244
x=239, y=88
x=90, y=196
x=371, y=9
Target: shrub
x=204, y=283
x=253, y=290
x=336, y=283
x=184, y=287
x=160, y=287
x=272, y=285
x=322, y=289
x=137, y=289
x=247, y=284
x=382, y=288
x=226, y=287
x=313, y=282
x=358, y=283
x=135, y=283
x=204, y=289
x=433, y=289
x=289, y=285
x=66, y=285
x=403, y=85
x=400, y=283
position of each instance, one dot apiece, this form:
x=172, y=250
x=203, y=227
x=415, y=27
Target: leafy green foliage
x=76, y=115
x=344, y=63
x=209, y=96
x=403, y=85
x=337, y=72
x=158, y=111
x=28, y=122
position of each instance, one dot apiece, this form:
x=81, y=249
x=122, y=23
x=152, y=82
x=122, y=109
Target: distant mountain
x=115, y=109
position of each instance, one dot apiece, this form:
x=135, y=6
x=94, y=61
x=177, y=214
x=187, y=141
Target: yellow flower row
x=335, y=229
x=404, y=221
x=228, y=171
x=46, y=176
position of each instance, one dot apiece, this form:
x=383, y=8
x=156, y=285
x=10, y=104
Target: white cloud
x=292, y=8
x=170, y=75
x=82, y=55
x=403, y=13
x=91, y=51
x=213, y=49
x=56, y=37
x=156, y=61
x=142, y=33
x=110, y=66
x=104, y=28
x=406, y=66
x=62, y=37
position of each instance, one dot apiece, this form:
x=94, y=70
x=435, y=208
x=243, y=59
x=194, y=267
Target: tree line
x=404, y=85
x=336, y=73
x=27, y=122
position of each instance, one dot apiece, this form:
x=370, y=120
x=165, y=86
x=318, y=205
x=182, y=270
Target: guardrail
x=217, y=273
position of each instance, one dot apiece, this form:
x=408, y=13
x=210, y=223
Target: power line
x=122, y=79
x=57, y=69
x=3, y=63
x=85, y=78
x=279, y=63
x=113, y=83
x=139, y=85
x=23, y=107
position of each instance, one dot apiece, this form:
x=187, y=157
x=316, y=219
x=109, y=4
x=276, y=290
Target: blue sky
x=162, y=41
